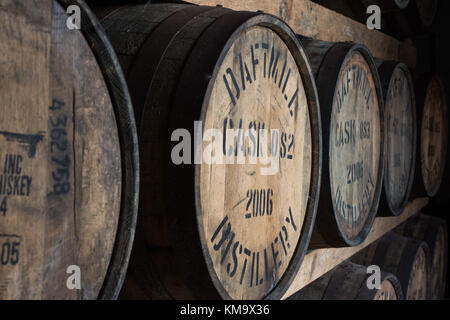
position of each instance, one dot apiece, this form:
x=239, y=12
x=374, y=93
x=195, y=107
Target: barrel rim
x=107, y=60
x=386, y=70
x=288, y=36
x=328, y=224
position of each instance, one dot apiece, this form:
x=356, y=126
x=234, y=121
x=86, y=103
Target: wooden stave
x=420, y=88
x=385, y=70
x=331, y=286
x=146, y=275
x=108, y=68
x=115, y=80
x=401, y=264
x=282, y=30
x=426, y=228
x=325, y=233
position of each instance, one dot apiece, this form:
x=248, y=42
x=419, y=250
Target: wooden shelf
x=312, y=20
x=319, y=261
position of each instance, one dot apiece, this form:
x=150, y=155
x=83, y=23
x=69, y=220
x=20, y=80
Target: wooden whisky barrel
x=400, y=120
x=211, y=228
x=348, y=281
x=351, y=105
x=433, y=231
x=433, y=129
x=406, y=258
x=417, y=18
x=68, y=154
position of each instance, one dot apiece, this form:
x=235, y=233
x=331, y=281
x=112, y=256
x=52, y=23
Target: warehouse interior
x=133, y=138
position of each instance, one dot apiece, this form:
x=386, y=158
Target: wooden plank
x=312, y=20
x=320, y=261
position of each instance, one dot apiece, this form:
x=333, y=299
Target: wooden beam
x=312, y=20
x=319, y=261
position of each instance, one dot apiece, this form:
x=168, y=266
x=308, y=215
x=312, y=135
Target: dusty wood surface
x=312, y=20
x=319, y=261
x=59, y=144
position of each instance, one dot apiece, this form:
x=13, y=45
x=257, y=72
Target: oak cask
x=351, y=104
x=401, y=128
x=407, y=259
x=68, y=153
x=431, y=104
x=348, y=281
x=433, y=231
x=219, y=220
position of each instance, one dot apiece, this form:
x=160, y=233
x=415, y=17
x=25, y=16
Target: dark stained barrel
x=348, y=281
x=407, y=259
x=351, y=105
x=431, y=104
x=69, y=169
x=400, y=119
x=208, y=229
x=417, y=18
x=433, y=231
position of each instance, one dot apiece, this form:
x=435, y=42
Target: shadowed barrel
x=230, y=215
x=68, y=152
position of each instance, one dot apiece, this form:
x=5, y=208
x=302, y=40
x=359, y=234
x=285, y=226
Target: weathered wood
x=312, y=20
x=433, y=231
x=433, y=129
x=68, y=183
x=351, y=105
x=348, y=281
x=406, y=258
x=400, y=119
x=317, y=262
x=237, y=229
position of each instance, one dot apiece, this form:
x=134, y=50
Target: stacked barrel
x=241, y=144
x=68, y=148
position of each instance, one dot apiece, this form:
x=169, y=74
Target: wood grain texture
x=433, y=231
x=312, y=20
x=61, y=132
x=348, y=281
x=319, y=261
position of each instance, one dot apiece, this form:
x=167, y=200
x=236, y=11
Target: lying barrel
x=231, y=219
x=68, y=154
x=406, y=258
x=400, y=120
x=433, y=127
x=416, y=19
x=433, y=231
x=351, y=105
x=349, y=281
